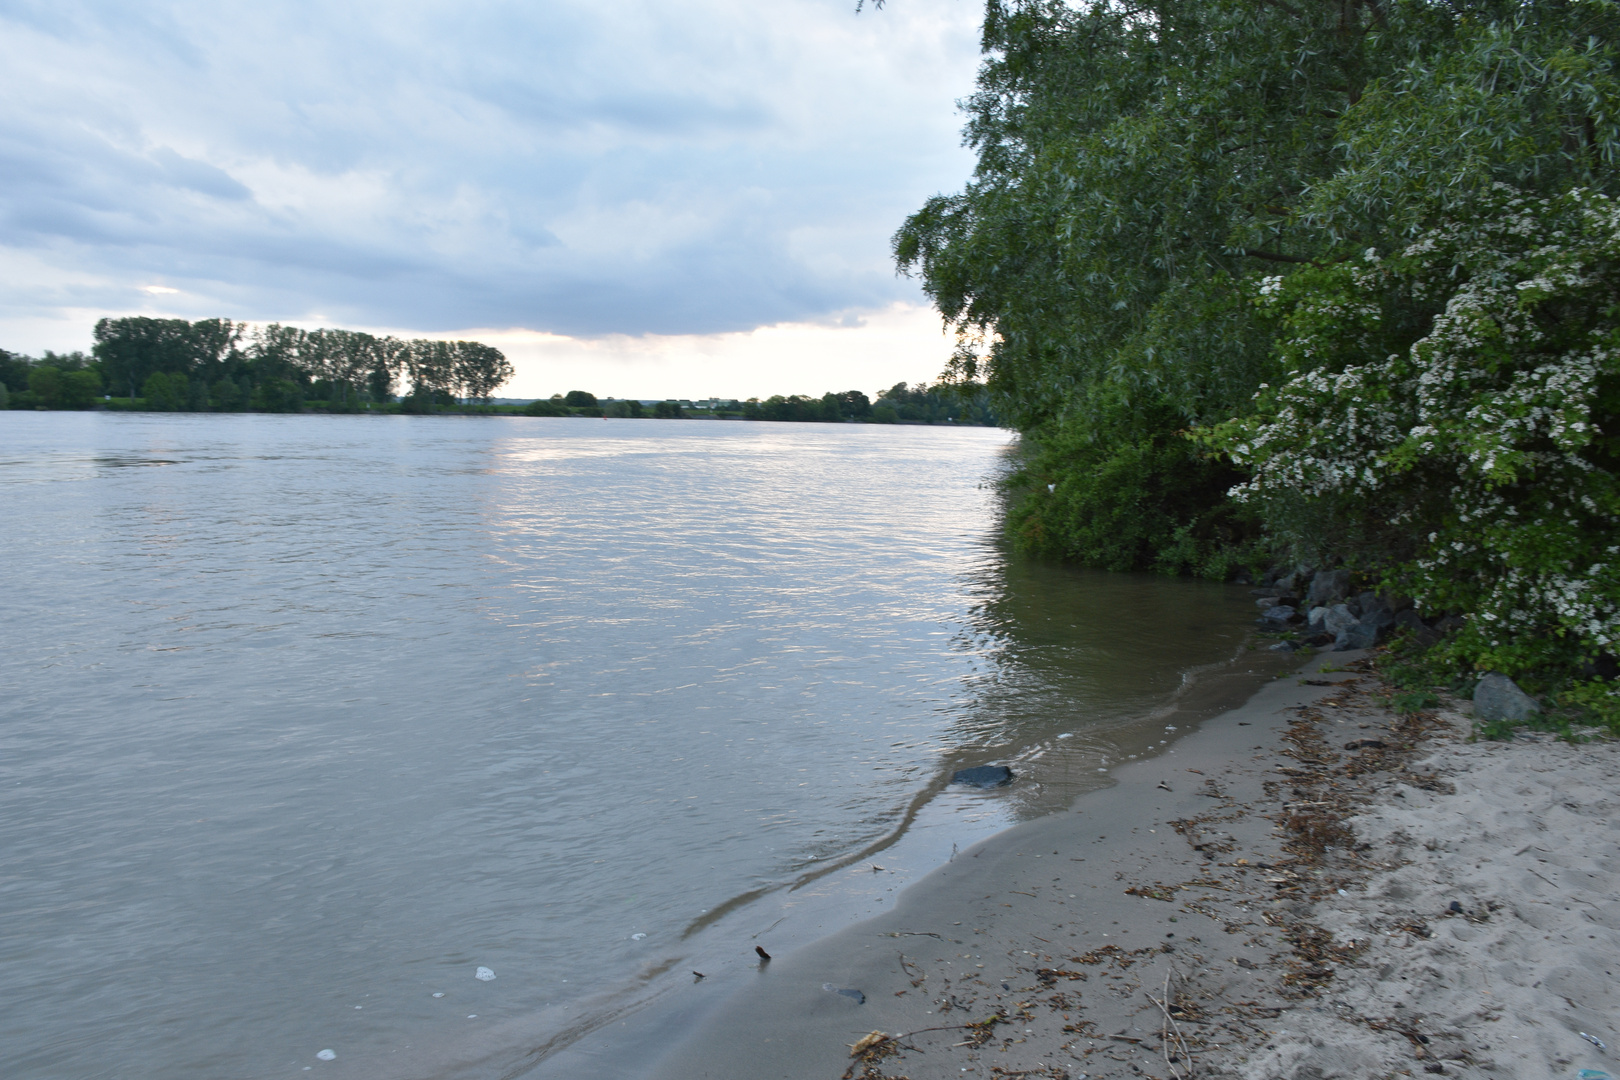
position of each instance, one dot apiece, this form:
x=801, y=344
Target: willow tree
x=1139, y=166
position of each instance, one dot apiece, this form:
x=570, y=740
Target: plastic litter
x=854, y=995
x=637, y=937
x=327, y=1055
x=1592, y=1074
x=483, y=974
x=1595, y=1041
x=439, y=994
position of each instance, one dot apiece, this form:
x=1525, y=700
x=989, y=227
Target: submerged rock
x=1498, y=697
x=984, y=776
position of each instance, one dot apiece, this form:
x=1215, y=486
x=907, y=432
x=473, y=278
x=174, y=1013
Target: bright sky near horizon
x=651, y=198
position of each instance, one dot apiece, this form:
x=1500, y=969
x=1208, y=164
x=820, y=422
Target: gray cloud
x=662, y=167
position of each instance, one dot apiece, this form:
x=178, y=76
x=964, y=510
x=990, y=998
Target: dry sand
x=1262, y=901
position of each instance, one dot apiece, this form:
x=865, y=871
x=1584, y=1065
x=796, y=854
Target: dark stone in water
x=984, y=776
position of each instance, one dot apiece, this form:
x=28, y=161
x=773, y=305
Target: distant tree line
x=55, y=380
x=920, y=404
x=216, y=365
x=901, y=403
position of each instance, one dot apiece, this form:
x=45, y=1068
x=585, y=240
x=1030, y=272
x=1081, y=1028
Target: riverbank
x=1308, y=886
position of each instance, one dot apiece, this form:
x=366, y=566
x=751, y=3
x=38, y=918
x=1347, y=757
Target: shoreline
x=1254, y=902
x=630, y=1036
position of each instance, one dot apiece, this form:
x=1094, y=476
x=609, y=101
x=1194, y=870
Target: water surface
x=308, y=717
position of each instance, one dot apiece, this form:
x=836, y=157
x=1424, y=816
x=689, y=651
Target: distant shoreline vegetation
x=216, y=365
x=899, y=404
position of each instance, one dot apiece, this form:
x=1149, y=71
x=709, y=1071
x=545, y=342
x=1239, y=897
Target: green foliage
x=224, y=367
x=1460, y=393
x=53, y=381
x=579, y=399
x=668, y=410
x=280, y=396
x=544, y=407
x=163, y=392
x=960, y=402
x=1594, y=701
x=1362, y=252
x=45, y=383
x=80, y=388
x=1134, y=494
x=1414, y=701
x=1136, y=162
x=225, y=395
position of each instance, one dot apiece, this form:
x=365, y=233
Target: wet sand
x=1271, y=898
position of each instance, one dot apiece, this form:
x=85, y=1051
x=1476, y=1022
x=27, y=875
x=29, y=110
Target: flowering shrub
x=1462, y=395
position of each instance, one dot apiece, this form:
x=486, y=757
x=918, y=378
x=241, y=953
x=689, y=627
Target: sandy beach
x=1309, y=886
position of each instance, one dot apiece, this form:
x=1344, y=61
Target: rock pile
x=1328, y=614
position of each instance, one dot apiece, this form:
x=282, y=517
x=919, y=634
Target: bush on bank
x=1314, y=282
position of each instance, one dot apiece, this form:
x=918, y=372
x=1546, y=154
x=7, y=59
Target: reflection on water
x=327, y=712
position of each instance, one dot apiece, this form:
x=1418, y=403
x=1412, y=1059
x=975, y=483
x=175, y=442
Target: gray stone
x=1283, y=646
x=1267, y=601
x=1380, y=619
x=1498, y=697
x=1372, y=605
x=1359, y=635
x=1278, y=614
x=1317, y=618
x=984, y=776
x=1338, y=619
x=1329, y=587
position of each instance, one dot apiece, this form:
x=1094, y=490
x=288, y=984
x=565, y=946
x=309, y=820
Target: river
x=308, y=718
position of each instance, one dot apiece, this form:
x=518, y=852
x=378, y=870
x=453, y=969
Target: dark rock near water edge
x=1337, y=619
x=1498, y=697
x=1407, y=619
x=1358, y=636
x=984, y=776
x=1328, y=587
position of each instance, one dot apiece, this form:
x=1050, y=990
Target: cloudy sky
x=648, y=197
